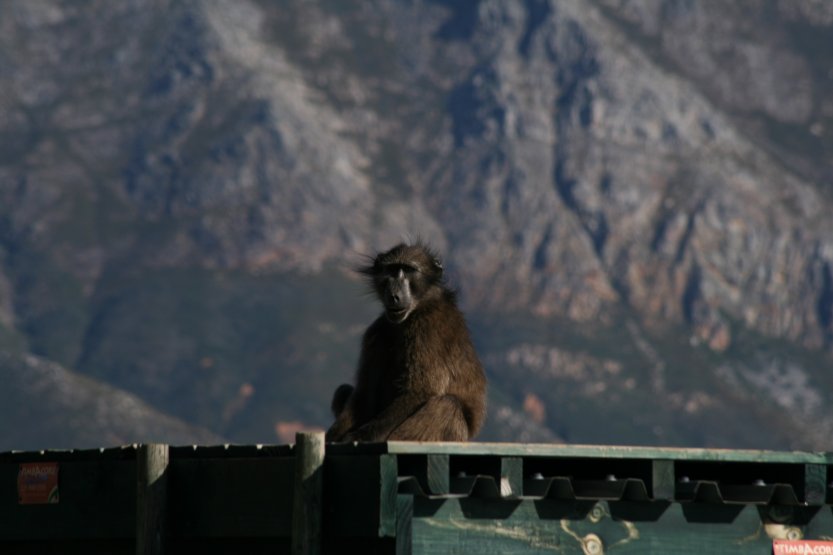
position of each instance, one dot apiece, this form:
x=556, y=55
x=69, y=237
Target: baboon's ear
x=438, y=264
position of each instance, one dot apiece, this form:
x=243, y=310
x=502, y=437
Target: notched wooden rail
x=401, y=497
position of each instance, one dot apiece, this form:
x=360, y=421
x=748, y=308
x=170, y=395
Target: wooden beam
x=388, y=493
x=815, y=484
x=663, y=480
x=511, y=477
x=151, y=498
x=600, y=451
x=308, y=495
x=404, y=522
x=437, y=474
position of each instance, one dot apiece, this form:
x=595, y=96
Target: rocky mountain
x=45, y=404
x=631, y=196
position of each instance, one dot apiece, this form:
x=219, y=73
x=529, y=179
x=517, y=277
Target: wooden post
x=662, y=480
x=151, y=498
x=309, y=486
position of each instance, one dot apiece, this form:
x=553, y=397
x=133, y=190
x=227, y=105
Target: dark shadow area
x=709, y=512
x=638, y=512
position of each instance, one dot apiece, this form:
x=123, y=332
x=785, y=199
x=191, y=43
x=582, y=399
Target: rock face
x=641, y=188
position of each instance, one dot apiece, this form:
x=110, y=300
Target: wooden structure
x=414, y=498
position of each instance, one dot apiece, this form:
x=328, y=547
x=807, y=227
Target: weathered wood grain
x=308, y=497
x=151, y=498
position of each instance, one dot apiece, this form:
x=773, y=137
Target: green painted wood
x=388, y=494
x=242, y=496
x=151, y=498
x=662, y=480
x=606, y=451
x=511, y=477
x=437, y=474
x=815, y=484
x=404, y=524
x=480, y=476
x=820, y=526
x=528, y=527
x=760, y=482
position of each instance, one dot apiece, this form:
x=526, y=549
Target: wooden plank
x=821, y=525
x=151, y=498
x=308, y=497
x=430, y=471
x=231, y=451
x=353, y=496
x=511, y=477
x=644, y=528
x=70, y=547
x=815, y=484
x=388, y=475
x=355, y=448
x=123, y=453
x=480, y=448
x=404, y=520
x=97, y=500
x=232, y=498
x=662, y=480
x=606, y=451
x=437, y=473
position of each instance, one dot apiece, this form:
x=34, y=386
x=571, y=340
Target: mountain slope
x=631, y=196
x=46, y=406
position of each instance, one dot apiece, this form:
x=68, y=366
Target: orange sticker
x=801, y=547
x=37, y=483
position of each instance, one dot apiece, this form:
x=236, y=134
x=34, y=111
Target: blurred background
x=633, y=197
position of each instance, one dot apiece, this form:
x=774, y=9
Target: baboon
x=418, y=378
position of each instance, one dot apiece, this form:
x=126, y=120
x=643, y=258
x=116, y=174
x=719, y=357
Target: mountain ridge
x=627, y=185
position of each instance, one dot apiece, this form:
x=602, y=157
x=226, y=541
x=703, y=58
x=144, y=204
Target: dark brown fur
x=418, y=378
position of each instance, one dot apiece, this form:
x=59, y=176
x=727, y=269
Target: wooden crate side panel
x=360, y=495
x=215, y=498
x=97, y=500
x=547, y=526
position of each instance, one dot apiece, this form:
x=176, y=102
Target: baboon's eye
x=407, y=269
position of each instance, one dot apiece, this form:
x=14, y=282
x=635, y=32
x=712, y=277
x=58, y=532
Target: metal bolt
x=794, y=534
x=591, y=544
x=596, y=513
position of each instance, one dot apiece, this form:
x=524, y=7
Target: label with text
x=37, y=483
x=801, y=547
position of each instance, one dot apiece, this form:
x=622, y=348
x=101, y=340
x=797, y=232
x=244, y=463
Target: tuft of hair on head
x=431, y=265
x=367, y=265
x=367, y=268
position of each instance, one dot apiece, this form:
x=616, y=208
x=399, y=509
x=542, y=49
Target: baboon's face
x=397, y=292
x=402, y=278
